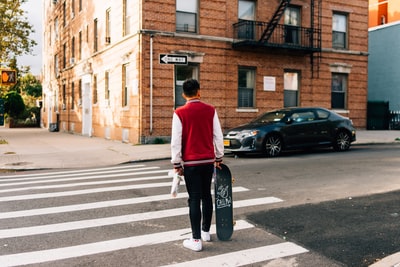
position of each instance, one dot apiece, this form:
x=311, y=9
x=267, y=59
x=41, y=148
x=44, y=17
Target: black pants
x=198, y=184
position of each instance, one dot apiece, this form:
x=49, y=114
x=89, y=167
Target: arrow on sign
x=173, y=59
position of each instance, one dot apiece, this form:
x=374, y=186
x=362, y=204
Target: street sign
x=8, y=77
x=173, y=59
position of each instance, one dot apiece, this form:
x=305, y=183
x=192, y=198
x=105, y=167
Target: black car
x=291, y=128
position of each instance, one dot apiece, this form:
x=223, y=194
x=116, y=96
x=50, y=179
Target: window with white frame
x=339, y=91
x=339, y=31
x=125, y=85
x=291, y=89
x=127, y=17
x=186, y=15
x=246, y=87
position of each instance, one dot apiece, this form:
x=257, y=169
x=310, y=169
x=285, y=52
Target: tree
x=15, y=31
x=29, y=85
x=13, y=104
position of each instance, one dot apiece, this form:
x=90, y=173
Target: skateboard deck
x=223, y=203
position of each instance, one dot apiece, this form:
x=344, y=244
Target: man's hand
x=179, y=170
x=218, y=164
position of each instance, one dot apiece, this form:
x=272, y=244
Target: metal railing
x=394, y=122
x=247, y=32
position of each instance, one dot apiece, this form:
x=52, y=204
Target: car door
x=323, y=134
x=301, y=129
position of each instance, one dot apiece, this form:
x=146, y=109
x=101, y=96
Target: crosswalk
x=64, y=218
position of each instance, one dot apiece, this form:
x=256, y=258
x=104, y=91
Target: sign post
x=173, y=59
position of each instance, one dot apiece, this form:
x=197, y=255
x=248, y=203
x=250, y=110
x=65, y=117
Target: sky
x=33, y=11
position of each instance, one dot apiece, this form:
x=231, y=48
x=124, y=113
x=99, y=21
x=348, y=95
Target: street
x=124, y=215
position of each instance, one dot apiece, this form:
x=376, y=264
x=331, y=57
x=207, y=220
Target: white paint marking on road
x=126, y=180
x=248, y=256
x=256, y=201
x=41, y=256
x=84, y=224
x=98, y=205
x=57, y=173
x=80, y=177
x=83, y=192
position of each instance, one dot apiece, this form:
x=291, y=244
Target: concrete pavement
x=35, y=148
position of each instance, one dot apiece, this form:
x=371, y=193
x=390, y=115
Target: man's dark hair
x=190, y=87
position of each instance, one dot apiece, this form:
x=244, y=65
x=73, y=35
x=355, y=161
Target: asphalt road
x=304, y=209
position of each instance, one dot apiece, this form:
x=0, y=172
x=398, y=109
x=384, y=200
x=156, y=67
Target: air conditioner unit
x=108, y=40
x=72, y=61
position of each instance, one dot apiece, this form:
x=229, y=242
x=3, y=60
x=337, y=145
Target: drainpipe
x=151, y=84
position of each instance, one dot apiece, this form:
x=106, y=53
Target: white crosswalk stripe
x=51, y=213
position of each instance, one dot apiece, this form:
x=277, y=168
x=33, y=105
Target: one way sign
x=173, y=59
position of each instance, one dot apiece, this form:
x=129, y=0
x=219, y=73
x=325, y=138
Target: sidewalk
x=35, y=148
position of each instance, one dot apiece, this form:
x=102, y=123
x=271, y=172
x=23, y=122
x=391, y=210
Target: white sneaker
x=193, y=244
x=205, y=236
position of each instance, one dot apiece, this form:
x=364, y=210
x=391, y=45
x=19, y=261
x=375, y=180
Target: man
x=196, y=147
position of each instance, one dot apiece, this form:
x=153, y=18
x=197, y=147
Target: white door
x=86, y=110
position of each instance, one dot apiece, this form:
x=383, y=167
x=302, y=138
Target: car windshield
x=274, y=116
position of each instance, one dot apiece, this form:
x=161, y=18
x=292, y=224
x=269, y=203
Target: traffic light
x=8, y=77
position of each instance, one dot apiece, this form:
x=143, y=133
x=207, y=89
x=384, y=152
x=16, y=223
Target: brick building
x=114, y=69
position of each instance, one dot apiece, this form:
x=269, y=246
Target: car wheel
x=342, y=141
x=272, y=145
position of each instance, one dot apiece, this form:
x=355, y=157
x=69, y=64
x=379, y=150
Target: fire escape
x=272, y=35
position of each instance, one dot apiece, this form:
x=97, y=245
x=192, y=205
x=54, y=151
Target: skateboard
x=223, y=203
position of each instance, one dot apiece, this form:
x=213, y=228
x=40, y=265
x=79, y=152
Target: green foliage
x=29, y=85
x=15, y=31
x=13, y=104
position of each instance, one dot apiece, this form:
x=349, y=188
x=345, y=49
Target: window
x=108, y=26
x=94, y=89
x=64, y=95
x=339, y=31
x=95, y=36
x=64, y=14
x=80, y=45
x=56, y=30
x=186, y=15
x=246, y=84
x=72, y=8
x=125, y=84
x=304, y=116
x=291, y=89
x=292, y=22
x=246, y=15
x=56, y=69
x=73, y=50
x=127, y=17
x=64, y=56
x=339, y=89
x=107, y=87
x=183, y=73
x=80, y=5
x=80, y=92
x=72, y=95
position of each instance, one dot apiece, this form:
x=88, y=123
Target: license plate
x=227, y=143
